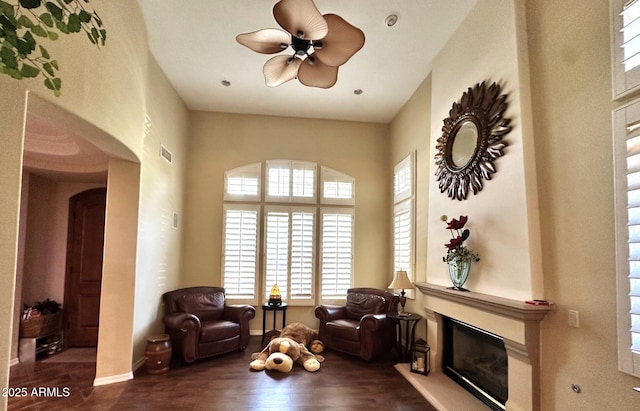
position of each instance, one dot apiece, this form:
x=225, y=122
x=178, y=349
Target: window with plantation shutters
x=291, y=181
x=625, y=29
x=337, y=188
x=626, y=123
x=336, y=253
x=308, y=264
x=243, y=183
x=403, y=233
x=289, y=244
x=240, y=262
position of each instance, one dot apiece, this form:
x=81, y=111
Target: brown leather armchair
x=361, y=326
x=201, y=324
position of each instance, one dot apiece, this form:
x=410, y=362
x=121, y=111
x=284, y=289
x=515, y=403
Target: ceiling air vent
x=165, y=153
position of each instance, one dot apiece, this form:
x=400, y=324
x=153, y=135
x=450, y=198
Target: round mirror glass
x=464, y=144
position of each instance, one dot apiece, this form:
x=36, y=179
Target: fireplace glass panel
x=477, y=360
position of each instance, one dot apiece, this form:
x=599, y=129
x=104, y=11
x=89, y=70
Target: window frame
x=287, y=297
x=624, y=83
x=334, y=298
x=404, y=201
x=626, y=125
x=251, y=171
x=253, y=300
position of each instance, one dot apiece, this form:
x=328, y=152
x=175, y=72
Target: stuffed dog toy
x=289, y=348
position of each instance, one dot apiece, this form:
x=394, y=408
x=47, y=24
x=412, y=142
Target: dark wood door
x=83, y=280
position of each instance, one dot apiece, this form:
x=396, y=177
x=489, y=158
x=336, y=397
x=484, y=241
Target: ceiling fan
x=320, y=43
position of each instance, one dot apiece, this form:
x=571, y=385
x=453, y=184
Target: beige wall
x=221, y=142
x=571, y=83
x=502, y=218
x=105, y=94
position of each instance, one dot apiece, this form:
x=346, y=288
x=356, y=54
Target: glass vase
x=459, y=272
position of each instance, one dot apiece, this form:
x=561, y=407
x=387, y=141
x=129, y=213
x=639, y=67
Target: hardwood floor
x=222, y=383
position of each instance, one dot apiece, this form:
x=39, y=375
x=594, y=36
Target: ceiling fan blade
x=265, y=41
x=280, y=69
x=301, y=18
x=317, y=74
x=341, y=43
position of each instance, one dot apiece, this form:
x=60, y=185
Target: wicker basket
x=40, y=326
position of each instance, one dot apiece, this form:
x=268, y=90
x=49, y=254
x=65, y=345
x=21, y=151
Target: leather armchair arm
x=239, y=313
x=182, y=322
x=326, y=313
x=374, y=322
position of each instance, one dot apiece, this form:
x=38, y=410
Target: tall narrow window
x=289, y=244
x=336, y=257
x=240, y=262
x=627, y=197
x=403, y=218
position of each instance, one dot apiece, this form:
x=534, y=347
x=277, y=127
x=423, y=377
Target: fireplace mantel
x=518, y=310
x=517, y=322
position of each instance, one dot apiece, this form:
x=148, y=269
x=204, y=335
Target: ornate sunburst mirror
x=471, y=140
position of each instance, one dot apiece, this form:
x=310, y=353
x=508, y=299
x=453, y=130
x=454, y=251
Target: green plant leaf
x=6, y=8
x=91, y=38
x=29, y=71
x=53, y=84
x=62, y=26
x=15, y=73
x=30, y=4
x=54, y=63
x=8, y=57
x=44, y=53
x=52, y=35
x=24, y=48
x=84, y=16
x=55, y=11
x=25, y=21
x=74, y=24
x=46, y=19
x=49, y=69
x=7, y=24
x=39, y=31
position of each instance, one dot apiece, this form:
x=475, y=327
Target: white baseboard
x=113, y=379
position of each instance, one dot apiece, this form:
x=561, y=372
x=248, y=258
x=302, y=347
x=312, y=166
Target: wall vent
x=165, y=153
x=174, y=223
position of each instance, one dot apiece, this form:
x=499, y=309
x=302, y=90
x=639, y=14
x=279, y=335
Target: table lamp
x=401, y=281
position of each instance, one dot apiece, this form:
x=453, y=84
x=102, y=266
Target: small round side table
x=409, y=320
x=275, y=308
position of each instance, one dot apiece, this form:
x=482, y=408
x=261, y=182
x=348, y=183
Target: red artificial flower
x=455, y=242
x=457, y=224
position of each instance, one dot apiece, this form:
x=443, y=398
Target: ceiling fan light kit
x=320, y=43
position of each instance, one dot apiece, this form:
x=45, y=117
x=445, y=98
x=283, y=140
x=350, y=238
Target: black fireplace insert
x=477, y=360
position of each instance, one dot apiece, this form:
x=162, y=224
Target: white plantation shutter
x=403, y=179
x=240, y=254
x=336, y=257
x=276, y=253
x=243, y=183
x=403, y=217
x=337, y=187
x=291, y=181
x=402, y=238
x=302, y=245
x=289, y=243
x=627, y=197
x=625, y=32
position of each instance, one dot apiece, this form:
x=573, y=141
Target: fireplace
x=477, y=360
x=515, y=322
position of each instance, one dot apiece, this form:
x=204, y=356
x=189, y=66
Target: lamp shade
x=401, y=281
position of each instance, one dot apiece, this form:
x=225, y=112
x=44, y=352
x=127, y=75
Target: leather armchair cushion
x=359, y=304
x=344, y=329
x=206, y=306
x=218, y=330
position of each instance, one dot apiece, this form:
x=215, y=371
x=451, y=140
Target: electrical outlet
x=574, y=319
